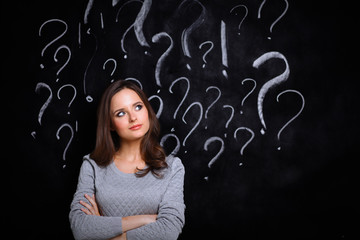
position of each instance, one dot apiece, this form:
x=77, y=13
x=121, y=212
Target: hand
x=92, y=208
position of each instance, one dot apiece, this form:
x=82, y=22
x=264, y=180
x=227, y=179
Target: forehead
x=124, y=98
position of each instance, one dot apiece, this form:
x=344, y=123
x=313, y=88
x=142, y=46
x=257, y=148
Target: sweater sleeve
x=86, y=226
x=170, y=219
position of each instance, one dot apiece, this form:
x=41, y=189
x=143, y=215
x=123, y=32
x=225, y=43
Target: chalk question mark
x=207, y=52
x=48, y=100
x=247, y=142
x=296, y=115
x=277, y=19
x=73, y=97
x=198, y=121
x=271, y=83
x=113, y=70
x=251, y=90
x=230, y=118
x=160, y=62
x=139, y=27
x=206, y=145
x=55, y=39
x=243, y=18
x=66, y=62
x=186, y=32
x=185, y=95
x=177, y=148
x=70, y=139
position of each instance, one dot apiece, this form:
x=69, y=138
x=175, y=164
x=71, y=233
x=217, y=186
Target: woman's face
x=130, y=118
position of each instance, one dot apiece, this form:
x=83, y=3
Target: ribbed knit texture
x=120, y=194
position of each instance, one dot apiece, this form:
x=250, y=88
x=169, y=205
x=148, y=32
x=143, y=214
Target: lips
x=136, y=127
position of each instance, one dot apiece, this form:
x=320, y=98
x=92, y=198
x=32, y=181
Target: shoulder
x=174, y=164
x=89, y=164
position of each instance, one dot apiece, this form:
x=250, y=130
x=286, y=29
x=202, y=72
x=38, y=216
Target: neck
x=129, y=151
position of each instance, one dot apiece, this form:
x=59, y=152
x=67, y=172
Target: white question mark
x=198, y=121
x=135, y=80
x=67, y=60
x=216, y=99
x=72, y=99
x=247, y=142
x=177, y=148
x=55, y=39
x=70, y=140
x=246, y=13
x=88, y=97
x=160, y=62
x=277, y=19
x=186, y=33
x=210, y=140
x=115, y=65
x=242, y=82
x=48, y=100
x=230, y=118
x=185, y=95
x=293, y=118
x=207, y=52
x=271, y=83
x=139, y=27
x=158, y=114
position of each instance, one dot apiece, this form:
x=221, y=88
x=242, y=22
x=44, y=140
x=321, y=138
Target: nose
x=132, y=117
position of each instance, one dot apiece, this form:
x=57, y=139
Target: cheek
x=118, y=124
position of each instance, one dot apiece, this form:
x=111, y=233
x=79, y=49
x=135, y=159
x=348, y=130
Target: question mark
x=230, y=118
x=48, y=100
x=246, y=13
x=198, y=121
x=186, y=32
x=207, y=52
x=66, y=62
x=129, y=28
x=271, y=83
x=70, y=140
x=293, y=118
x=158, y=114
x=115, y=65
x=177, y=148
x=160, y=62
x=276, y=20
x=242, y=82
x=71, y=86
x=88, y=97
x=210, y=140
x=216, y=99
x=247, y=142
x=55, y=39
x=185, y=95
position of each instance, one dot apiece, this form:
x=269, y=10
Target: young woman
x=127, y=187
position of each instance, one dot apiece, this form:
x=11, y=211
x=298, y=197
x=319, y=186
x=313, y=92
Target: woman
x=127, y=187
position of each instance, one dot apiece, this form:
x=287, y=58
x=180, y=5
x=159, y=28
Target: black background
x=303, y=191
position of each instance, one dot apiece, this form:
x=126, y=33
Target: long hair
x=108, y=142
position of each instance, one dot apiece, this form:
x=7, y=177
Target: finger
x=92, y=201
x=88, y=206
x=86, y=211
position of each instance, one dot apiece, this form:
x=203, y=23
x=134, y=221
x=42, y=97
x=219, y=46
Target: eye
x=120, y=114
x=138, y=107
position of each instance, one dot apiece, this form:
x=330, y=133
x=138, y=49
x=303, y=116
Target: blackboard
x=256, y=97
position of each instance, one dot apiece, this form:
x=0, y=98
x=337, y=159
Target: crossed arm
x=128, y=223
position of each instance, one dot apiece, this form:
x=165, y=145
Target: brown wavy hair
x=108, y=141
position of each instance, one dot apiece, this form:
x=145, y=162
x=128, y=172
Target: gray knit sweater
x=120, y=194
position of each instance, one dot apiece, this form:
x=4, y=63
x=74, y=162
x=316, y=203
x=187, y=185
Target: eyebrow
x=134, y=104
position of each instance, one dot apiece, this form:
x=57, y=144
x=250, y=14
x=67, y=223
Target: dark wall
x=255, y=97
